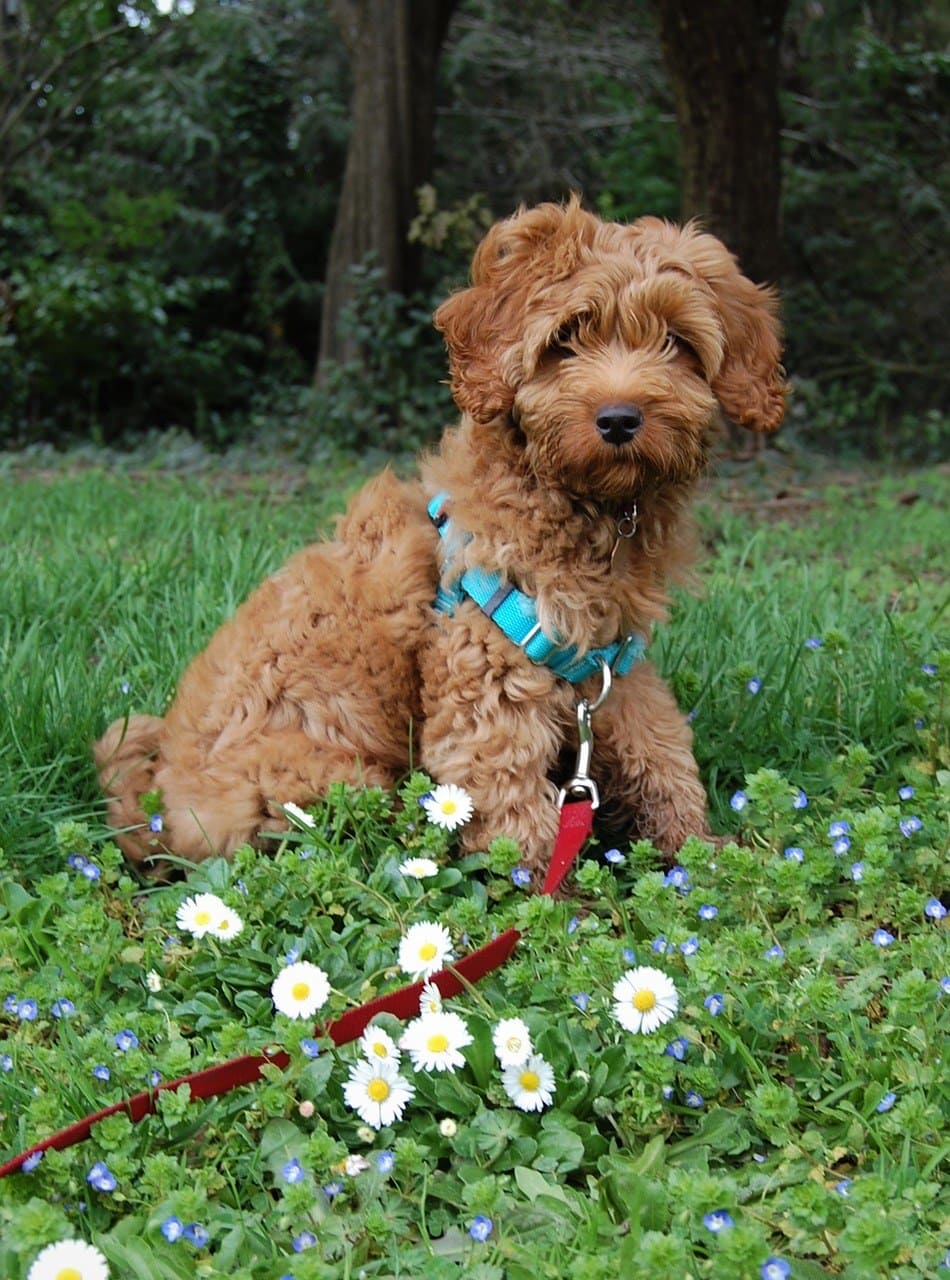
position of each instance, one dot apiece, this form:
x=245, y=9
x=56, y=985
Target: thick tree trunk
x=394, y=48
x=723, y=60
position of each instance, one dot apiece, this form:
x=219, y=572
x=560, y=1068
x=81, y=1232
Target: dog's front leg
x=494, y=724
x=644, y=762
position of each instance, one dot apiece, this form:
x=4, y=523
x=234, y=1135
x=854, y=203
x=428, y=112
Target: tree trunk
x=394, y=48
x=723, y=60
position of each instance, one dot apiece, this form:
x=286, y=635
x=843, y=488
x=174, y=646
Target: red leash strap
x=576, y=823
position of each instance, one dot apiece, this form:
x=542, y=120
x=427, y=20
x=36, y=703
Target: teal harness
x=516, y=615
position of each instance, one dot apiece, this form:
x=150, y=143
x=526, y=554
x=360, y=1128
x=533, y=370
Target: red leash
x=577, y=819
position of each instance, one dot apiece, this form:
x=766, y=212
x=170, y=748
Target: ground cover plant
x=736, y=1066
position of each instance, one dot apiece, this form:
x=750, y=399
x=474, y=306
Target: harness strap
x=516, y=613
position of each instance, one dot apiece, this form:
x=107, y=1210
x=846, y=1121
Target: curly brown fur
x=339, y=662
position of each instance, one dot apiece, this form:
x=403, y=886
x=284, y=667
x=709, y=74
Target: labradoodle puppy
x=462, y=615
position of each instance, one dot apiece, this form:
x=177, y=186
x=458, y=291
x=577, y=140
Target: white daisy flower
x=153, y=980
x=512, y=1041
x=377, y=1046
x=353, y=1166
x=377, y=1093
x=69, y=1260
x=425, y=949
x=434, y=1041
x=419, y=868
x=198, y=915
x=530, y=1085
x=645, y=999
x=448, y=1127
x=431, y=999
x=300, y=816
x=300, y=989
x=448, y=806
x=228, y=924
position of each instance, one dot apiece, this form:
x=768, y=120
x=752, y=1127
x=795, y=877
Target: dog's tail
x=125, y=757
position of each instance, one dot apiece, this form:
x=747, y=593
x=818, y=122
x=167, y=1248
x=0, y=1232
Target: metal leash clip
x=582, y=783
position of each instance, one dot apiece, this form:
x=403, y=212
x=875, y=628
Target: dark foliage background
x=168, y=184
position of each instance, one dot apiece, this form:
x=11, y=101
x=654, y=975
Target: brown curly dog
x=589, y=361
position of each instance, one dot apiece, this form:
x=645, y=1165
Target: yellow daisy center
x=380, y=1049
x=513, y=1044
x=428, y=951
x=300, y=991
x=378, y=1090
x=201, y=918
x=644, y=1000
x=448, y=807
x=438, y=1043
x=529, y=1081
x=224, y=924
x=68, y=1273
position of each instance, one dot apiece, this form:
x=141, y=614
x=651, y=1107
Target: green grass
x=110, y=581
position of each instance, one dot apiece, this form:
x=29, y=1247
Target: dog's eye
x=562, y=345
x=678, y=345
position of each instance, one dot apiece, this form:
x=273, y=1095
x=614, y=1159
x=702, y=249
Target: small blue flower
x=794, y=853
x=481, y=1228
x=614, y=857
x=801, y=800
x=304, y=1240
x=886, y=1102
x=714, y=1003
x=581, y=999
x=629, y=955
x=125, y=686
x=739, y=801
x=101, y=1071
x=6, y=1060
x=660, y=945
x=718, y=1220
x=196, y=1234
x=814, y=642
x=775, y=1269
x=333, y=1189
x=857, y=870
x=154, y=1078
x=677, y=1048
x=77, y=861
x=27, y=1010
x=838, y=828
x=101, y=1178
x=935, y=909
x=707, y=911
x=309, y=1048
x=775, y=952
x=126, y=1040
x=881, y=938
x=293, y=1171
x=905, y=793
x=91, y=871
x=843, y=1187
x=909, y=825
x=10, y=1004
x=292, y=955
x=573, y=924
x=694, y=1099
x=754, y=685
x=944, y=988
x=31, y=1161
x=62, y=1008
x=929, y=668
x=385, y=1162
x=172, y=1229
x=690, y=946
x=156, y=823
x=668, y=1091
x=841, y=846
x=521, y=877
x=678, y=877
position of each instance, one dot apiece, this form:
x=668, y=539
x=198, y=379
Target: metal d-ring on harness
x=581, y=782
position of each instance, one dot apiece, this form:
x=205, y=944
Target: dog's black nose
x=619, y=423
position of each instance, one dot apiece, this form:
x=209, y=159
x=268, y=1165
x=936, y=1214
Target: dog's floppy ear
x=750, y=384
x=483, y=325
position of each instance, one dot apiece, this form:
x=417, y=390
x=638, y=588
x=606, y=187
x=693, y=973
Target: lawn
x=786, y=1115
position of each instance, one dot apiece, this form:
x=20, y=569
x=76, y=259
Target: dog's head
x=610, y=347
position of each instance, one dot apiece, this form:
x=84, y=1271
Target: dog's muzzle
x=618, y=423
